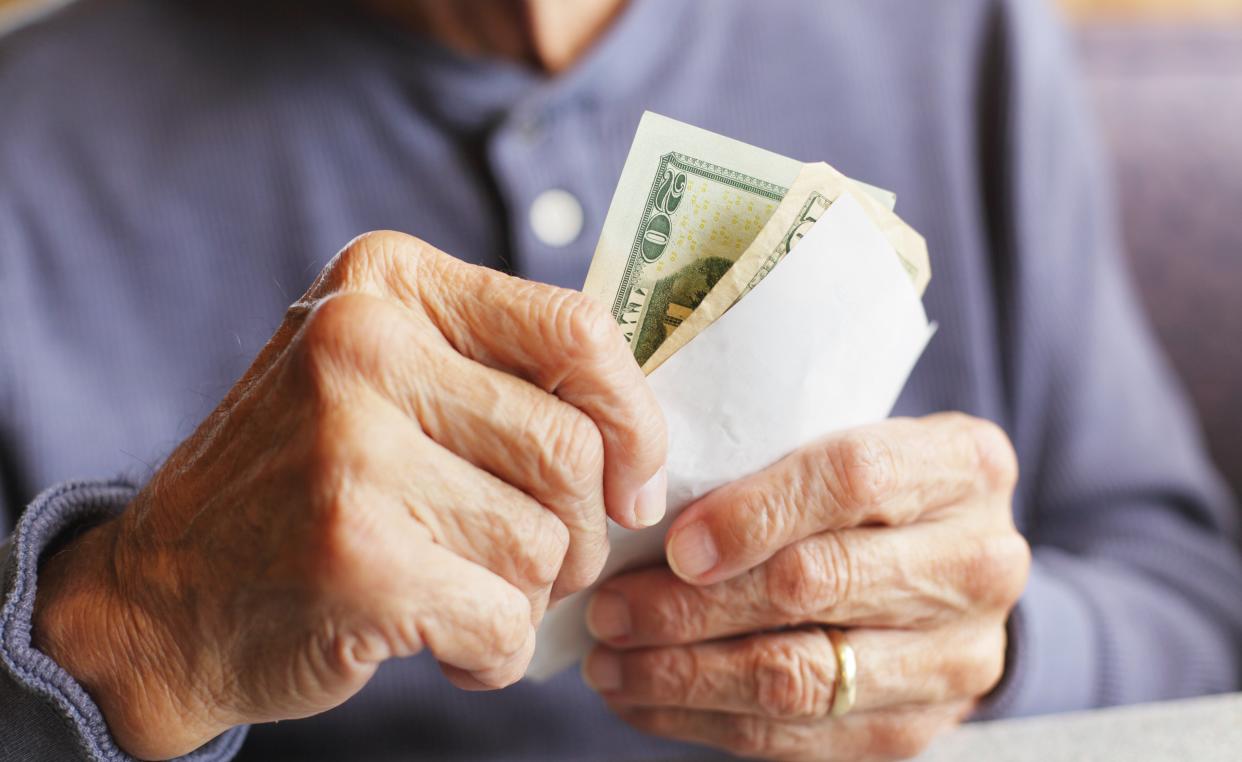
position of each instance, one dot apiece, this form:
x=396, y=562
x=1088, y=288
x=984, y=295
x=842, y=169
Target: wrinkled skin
x=900, y=533
x=421, y=458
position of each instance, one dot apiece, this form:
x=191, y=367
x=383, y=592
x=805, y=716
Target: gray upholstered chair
x=1170, y=102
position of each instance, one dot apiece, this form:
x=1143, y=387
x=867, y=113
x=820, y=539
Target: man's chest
x=139, y=310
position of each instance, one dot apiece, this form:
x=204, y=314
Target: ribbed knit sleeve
x=1136, y=588
x=45, y=715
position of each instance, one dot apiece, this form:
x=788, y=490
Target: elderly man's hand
x=900, y=534
x=419, y=459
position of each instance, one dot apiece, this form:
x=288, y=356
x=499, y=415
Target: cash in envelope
x=770, y=303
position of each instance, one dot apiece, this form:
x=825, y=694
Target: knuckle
x=371, y=259
x=752, y=736
x=862, y=470
x=990, y=666
x=344, y=335
x=501, y=671
x=360, y=256
x=553, y=545
x=571, y=452
x=593, y=345
x=899, y=738
x=527, y=542
x=337, y=453
x=496, y=678
x=974, y=669
x=405, y=638
x=332, y=322
x=569, y=461
x=1017, y=553
x=343, y=536
x=508, y=628
x=674, y=674
x=677, y=615
x=544, y=554
x=979, y=669
x=998, y=461
x=760, y=521
x=792, y=678
x=809, y=577
x=581, y=324
x=996, y=568
x=588, y=564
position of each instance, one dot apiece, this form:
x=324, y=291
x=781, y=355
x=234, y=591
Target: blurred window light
x=16, y=13
x=1157, y=9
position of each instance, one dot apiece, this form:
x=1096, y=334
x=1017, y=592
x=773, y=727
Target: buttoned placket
x=548, y=157
x=552, y=197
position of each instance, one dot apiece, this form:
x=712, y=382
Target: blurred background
x=1165, y=77
x=1166, y=80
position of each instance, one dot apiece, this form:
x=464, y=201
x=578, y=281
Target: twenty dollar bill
x=689, y=206
x=816, y=188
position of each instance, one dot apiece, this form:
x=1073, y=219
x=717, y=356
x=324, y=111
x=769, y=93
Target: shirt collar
x=473, y=94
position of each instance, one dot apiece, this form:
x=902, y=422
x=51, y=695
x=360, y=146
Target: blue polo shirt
x=172, y=175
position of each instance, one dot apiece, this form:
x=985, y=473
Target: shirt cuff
x=54, y=515
x=1053, y=654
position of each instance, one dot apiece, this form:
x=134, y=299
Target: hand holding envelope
x=821, y=327
x=741, y=395
x=837, y=585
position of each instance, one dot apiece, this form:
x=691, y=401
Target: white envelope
x=824, y=343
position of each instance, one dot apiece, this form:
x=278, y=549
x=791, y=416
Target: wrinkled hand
x=899, y=533
x=419, y=459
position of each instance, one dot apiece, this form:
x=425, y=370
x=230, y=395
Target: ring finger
x=792, y=675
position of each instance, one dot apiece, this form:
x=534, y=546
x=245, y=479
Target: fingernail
x=692, y=552
x=652, y=500
x=602, y=671
x=608, y=616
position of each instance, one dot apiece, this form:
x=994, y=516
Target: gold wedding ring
x=845, y=691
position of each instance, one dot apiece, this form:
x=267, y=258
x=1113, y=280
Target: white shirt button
x=556, y=217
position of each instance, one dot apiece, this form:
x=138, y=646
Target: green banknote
x=691, y=204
